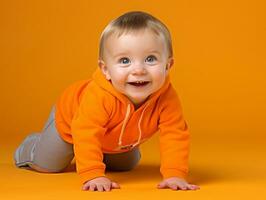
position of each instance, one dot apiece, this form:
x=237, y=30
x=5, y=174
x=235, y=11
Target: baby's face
x=136, y=63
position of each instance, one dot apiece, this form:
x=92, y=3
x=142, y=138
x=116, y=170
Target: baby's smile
x=139, y=83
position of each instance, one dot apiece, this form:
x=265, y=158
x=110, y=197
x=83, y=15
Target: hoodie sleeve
x=174, y=138
x=88, y=129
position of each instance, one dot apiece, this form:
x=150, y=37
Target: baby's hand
x=100, y=184
x=176, y=183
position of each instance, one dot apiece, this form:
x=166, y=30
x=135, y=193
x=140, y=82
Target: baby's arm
x=100, y=184
x=174, y=143
x=88, y=129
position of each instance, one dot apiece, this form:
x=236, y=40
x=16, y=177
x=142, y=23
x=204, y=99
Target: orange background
x=219, y=73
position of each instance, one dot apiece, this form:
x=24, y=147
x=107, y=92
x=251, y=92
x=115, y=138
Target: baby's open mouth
x=139, y=83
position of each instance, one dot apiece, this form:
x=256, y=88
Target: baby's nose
x=139, y=69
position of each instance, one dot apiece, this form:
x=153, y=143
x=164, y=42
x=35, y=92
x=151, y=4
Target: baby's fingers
x=115, y=185
x=161, y=185
x=85, y=186
x=107, y=187
x=177, y=186
x=182, y=187
x=100, y=187
x=92, y=187
x=193, y=187
x=188, y=187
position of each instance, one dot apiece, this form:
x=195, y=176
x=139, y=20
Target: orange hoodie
x=97, y=119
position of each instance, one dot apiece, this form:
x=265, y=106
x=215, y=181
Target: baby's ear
x=104, y=69
x=170, y=63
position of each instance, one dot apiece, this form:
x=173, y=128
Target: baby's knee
x=129, y=165
x=122, y=162
x=44, y=170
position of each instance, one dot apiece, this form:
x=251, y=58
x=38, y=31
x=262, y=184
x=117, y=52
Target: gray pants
x=48, y=151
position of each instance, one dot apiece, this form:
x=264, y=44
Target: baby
x=103, y=120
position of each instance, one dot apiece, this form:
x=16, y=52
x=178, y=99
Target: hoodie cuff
x=91, y=174
x=167, y=173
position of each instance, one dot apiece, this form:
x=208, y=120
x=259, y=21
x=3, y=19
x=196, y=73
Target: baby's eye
x=124, y=60
x=150, y=59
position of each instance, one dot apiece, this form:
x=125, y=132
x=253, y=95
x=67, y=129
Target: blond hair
x=133, y=21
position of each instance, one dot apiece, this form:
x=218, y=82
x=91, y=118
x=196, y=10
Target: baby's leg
x=45, y=151
x=122, y=161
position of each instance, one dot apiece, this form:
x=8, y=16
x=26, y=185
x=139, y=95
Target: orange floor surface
x=223, y=170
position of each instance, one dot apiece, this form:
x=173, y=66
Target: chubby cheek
x=158, y=77
x=118, y=79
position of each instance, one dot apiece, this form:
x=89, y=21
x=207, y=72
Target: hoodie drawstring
x=140, y=132
x=124, y=125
